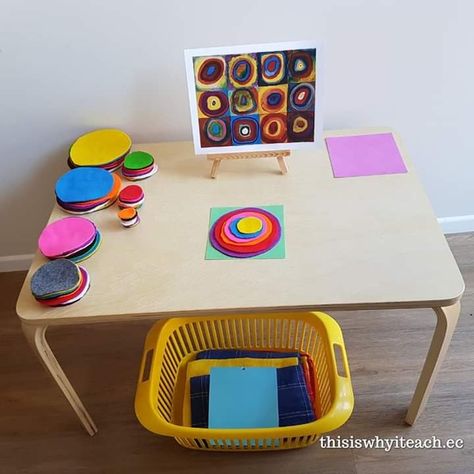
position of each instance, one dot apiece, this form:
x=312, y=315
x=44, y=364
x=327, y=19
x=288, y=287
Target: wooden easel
x=279, y=155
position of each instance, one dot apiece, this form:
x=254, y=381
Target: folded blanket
x=294, y=403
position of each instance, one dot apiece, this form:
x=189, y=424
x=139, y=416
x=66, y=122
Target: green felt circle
x=138, y=160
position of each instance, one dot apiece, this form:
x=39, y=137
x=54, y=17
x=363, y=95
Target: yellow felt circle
x=100, y=147
x=249, y=225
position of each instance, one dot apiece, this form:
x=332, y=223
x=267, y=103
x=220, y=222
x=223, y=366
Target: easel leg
x=36, y=336
x=282, y=165
x=446, y=323
x=215, y=167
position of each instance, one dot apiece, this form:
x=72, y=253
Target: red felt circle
x=131, y=193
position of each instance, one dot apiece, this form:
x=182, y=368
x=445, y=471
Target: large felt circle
x=84, y=184
x=65, y=236
x=100, y=147
x=76, y=295
x=232, y=248
x=55, y=277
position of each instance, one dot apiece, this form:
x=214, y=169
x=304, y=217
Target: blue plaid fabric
x=294, y=405
x=236, y=354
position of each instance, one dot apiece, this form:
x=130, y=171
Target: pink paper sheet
x=364, y=155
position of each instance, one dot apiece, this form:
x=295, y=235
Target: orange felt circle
x=127, y=213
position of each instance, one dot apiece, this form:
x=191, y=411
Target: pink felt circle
x=63, y=236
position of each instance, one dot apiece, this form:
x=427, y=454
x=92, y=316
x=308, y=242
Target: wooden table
x=355, y=243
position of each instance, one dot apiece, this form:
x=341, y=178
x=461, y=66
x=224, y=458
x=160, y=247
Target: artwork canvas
x=255, y=97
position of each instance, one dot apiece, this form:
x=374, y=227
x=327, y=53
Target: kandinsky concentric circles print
x=256, y=97
x=247, y=232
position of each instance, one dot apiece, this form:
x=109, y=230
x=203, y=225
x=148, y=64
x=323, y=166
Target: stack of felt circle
x=129, y=217
x=139, y=165
x=59, y=283
x=104, y=148
x=131, y=196
x=245, y=232
x=84, y=190
x=74, y=238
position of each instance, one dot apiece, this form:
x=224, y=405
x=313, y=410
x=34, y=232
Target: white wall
x=70, y=66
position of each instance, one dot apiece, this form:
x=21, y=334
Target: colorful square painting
x=246, y=232
x=255, y=97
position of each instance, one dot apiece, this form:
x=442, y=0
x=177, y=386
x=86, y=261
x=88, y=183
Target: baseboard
x=15, y=263
x=456, y=224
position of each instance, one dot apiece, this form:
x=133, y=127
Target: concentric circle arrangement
x=210, y=72
x=213, y=103
x=217, y=130
x=273, y=128
x=273, y=69
x=273, y=99
x=242, y=70
x=243, y=101
x=245, y=130
x=302, y=97
x=245, y=232
x=301, y=65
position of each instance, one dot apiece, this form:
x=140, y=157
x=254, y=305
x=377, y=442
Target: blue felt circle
x=84, y=184
x=233, y=229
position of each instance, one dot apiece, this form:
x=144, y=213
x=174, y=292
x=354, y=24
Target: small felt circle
x=131, y=193
x=127, y=213
x=138, y=160
x=249, y=225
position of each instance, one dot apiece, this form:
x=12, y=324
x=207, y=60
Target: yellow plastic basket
x=170, y=344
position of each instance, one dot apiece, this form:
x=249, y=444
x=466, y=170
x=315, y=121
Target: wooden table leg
x=215, y=167
x=282, y=165
x=36, y=336
x=446, y=323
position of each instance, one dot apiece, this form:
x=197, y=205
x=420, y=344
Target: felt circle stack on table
x=59, y=283
x=86, y=189
x=245, y=232
x=131, y=196
x=74, y=238
x=104, y=148
x=139, y=165
x=129, y=217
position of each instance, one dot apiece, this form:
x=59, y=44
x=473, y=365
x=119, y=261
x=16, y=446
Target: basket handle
x=344, y=397
x=145, y=407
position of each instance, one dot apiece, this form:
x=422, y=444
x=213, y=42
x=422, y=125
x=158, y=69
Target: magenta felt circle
x=231, y=236
x=66, y=235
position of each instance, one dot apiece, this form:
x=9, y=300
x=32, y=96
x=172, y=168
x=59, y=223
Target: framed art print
x=255, y=97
